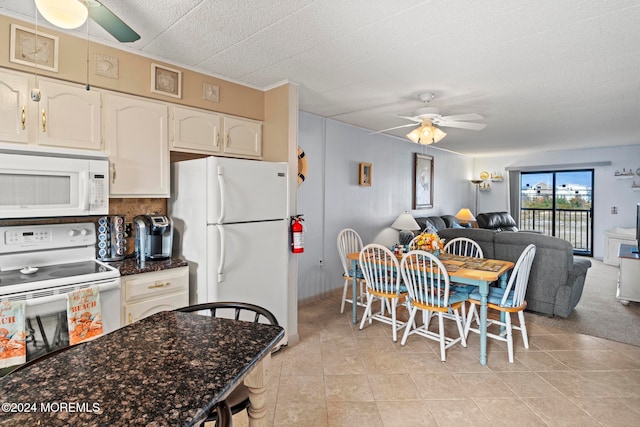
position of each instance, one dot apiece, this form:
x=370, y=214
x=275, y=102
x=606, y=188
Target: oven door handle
x=57, y=297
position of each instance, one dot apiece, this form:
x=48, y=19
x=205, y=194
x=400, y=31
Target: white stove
x=41, y=264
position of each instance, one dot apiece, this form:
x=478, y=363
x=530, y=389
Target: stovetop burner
x=73, y=269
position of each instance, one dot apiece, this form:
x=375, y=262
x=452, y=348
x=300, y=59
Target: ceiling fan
x=429, y=117
x=70, y=14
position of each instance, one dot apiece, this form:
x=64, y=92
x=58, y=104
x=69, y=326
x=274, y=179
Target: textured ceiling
x=546, y=75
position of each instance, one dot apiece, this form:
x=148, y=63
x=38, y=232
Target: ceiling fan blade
x=458, y=117
x=413, y=119
x=461, y=125
x=110, y=22
x=397, y=127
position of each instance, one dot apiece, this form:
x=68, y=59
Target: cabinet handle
x=159, y=285
x=228, y=141
x=217, y=139
x=130, y=318
x=44, y=121
x=23, y=117
x=113, y=173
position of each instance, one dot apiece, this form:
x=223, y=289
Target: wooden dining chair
x=381, y=272
x=349, y=241
x=508, y=300
x=238, y=400
x=463, y=246
x=428, y=289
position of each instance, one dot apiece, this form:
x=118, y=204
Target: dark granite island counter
x=169, y=369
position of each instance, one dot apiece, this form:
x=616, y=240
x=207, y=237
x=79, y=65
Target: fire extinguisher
x=297, y=238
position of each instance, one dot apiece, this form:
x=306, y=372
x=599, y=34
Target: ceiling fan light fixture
x=414, y=135
x=67, y=14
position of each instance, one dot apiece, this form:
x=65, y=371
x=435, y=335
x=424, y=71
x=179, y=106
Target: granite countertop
x=158, y=371
x=130, y=266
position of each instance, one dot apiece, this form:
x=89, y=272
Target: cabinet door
x=138, y=147
x=68, y=116
x=195, y=131
x=14, y=90
x=242, y=137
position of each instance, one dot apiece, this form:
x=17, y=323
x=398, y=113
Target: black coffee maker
x=154, y=237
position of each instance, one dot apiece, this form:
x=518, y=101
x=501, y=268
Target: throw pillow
x=430, y=228
x=456, y=225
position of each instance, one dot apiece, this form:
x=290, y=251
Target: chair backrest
x=520, y=277
x=234, y=310
x=380, y=269
x=412, y=243
x=349, y=241
x=463, y=246
x=426, y=279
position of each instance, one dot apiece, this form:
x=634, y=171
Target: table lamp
x=465, y=216
x=405, y=223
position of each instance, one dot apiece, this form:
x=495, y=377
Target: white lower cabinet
x=149, y=293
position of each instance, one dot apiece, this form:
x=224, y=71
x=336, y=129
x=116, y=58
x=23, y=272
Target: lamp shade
x=405, y=221
x=465, y=215
x=66, y=14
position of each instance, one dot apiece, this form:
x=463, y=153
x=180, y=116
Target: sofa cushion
x=497, y=221
x=550, y=268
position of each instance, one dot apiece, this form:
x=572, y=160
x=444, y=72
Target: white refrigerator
x=231, y=223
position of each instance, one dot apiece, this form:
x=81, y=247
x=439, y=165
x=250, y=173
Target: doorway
x=559, y=204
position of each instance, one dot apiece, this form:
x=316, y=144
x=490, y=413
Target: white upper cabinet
x=242, y=137
x=136, y=137
x=14, y=99
x=69, y=116
x=66, y=116
x=206, y=132
x=195, y=131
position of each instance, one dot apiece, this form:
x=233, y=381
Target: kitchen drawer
x=142, y=309
x=150, y=285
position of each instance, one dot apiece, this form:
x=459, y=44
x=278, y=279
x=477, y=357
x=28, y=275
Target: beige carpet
x=599, y=313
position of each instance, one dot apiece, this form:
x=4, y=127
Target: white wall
x=608, y=190
x=331, y=199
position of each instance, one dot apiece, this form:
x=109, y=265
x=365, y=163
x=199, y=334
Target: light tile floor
x=338, y=375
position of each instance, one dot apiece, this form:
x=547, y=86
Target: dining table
x=480, y=272
x=168, y=369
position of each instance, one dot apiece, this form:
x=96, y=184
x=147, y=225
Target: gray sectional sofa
x=557, y=276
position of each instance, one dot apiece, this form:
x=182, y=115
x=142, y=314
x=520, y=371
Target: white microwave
x=34, y=186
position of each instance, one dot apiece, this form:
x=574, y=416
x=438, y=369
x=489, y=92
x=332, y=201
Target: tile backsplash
x=129, y=208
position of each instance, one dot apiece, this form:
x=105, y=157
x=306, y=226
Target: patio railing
x=573, y=225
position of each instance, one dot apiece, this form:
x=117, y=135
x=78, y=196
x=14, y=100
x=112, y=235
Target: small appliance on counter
x=154, y=237
x=112, y=243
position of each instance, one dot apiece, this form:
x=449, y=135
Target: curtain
x=514, y=195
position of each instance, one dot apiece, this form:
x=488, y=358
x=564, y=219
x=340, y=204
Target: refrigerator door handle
x=222, y=194
x=221, y=260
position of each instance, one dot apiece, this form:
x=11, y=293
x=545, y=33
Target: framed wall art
x=38, y=50
x=365, y=174
x=423, y=181
x=166, y=81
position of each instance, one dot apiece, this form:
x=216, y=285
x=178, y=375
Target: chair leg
x=459, y=322
x=523, y=329
x=443, y=355
x=470, y=315
x=412, y=315
x=344, y=294
x=367, y=310
x=392, y=301
x=509, y=330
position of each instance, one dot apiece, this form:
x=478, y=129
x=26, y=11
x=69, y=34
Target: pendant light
x=67, y=14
